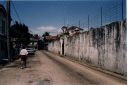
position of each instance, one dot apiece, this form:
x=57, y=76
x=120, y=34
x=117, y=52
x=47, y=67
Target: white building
x=71, y=30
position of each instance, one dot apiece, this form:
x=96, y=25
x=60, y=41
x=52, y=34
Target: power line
x=16, y=11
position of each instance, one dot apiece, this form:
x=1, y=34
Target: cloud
x=42, y=29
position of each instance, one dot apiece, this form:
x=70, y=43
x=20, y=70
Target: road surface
x=48, y=69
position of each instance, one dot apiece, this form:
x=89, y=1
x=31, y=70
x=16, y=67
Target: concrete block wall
x=103, y=47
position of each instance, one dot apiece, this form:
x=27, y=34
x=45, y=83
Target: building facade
x=71, y=30
x=3, y=34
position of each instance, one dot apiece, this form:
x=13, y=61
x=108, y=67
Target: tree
x=21, y=33
x=36, y=36
x=45, y=41
x=44, y=36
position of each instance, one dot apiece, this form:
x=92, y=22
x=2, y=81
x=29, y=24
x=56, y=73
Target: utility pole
x=8, y=28
x=88, y=22
x=101, y=16
x=122, y=10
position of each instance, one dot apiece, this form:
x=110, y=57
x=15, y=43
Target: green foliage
x=44, y=36
x=20, y=32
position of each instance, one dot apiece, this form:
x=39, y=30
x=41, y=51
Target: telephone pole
x=122, y=10
x=88, y=22
x=101, y=15
x=8, y=28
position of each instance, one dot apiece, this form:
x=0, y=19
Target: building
x=71, y=30
x=64, y=29
x=3, y=34
x=74, y=30
x=33, y=42
x=51, y=38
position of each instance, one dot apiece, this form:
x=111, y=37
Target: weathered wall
x=102, y=47
x=55, y=46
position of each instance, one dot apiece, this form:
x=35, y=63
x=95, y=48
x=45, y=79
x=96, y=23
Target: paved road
x=47, y=69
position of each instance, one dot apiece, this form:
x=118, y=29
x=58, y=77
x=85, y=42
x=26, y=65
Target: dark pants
x=23, y=60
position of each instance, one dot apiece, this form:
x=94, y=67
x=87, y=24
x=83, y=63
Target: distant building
x=51, y=38
x=71, y=30
x=74, y=30
x=3, y=34
x=48, y=39
x=34, y=41
x=64, y=29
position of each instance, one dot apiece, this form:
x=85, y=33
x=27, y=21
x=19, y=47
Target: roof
x=51, y=37
x=74, y=28
x=64, y=27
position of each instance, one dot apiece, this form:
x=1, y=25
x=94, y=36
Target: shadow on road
x=17, y=63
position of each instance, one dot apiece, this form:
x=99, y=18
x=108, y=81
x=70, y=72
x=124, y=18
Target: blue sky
x=51, y=15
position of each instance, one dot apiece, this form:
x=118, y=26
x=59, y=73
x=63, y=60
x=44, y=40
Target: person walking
x=23, y=56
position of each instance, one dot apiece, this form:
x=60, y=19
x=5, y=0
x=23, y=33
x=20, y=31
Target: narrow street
x=48, y=69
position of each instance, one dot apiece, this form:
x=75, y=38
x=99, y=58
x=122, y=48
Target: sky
x=50, y=15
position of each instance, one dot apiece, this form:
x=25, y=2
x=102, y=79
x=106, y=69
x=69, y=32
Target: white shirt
x=23, y=52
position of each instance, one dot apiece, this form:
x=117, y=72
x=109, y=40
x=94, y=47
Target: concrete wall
x=55, y=46
x=102, y=47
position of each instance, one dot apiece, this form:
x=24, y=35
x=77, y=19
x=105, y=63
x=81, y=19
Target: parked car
x=31, y=50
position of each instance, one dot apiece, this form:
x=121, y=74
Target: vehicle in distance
x=31, y=51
